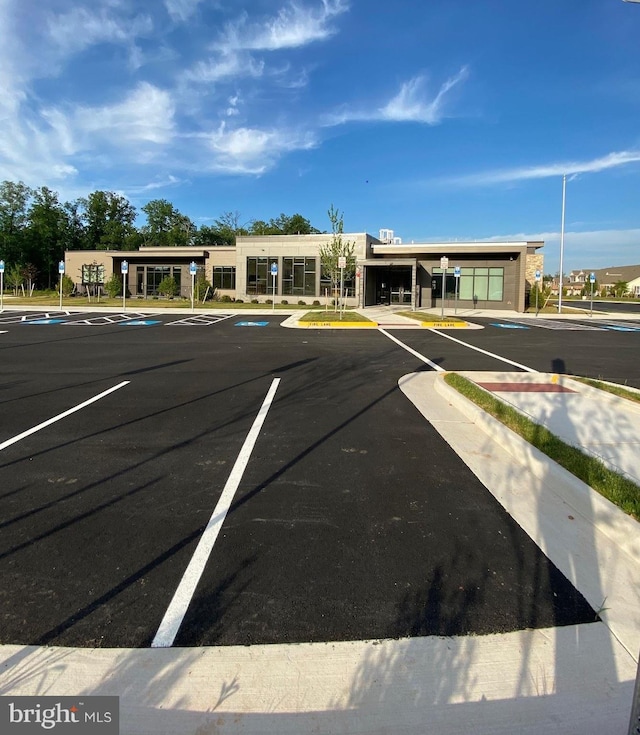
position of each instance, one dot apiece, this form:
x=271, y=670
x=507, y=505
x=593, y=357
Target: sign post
x=274, y=273
x=342, y=264
x=61, y=274
x=1, y=285
x=592, y=280
x=456, y=274
x=538, y=279
x=124, y=269
x=193, y=269
x=444, y=264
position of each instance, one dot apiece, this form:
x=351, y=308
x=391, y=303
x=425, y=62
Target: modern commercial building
x=287, y=268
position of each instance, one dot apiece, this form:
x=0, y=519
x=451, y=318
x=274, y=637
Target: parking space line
x=177, y=609
x=60, y=416
x=485, y=352
x=203, y=320
x=412, y=351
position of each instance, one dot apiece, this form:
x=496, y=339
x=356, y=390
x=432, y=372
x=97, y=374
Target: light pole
x=564, y=191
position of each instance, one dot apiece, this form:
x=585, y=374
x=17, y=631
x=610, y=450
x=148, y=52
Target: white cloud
x=81, y=28
x=246, y=150
x=411, y=104
x=611, y=160
x=181, y=10
x=162, y=183
x=146, y=115
x=589, y=249
x=294, y=26
x=228, y=65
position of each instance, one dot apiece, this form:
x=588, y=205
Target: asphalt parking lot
x=349, y=517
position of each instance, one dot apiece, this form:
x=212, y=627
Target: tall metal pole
x=564, y=189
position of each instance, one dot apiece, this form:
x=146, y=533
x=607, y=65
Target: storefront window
x=155, y=275
x=224, y=276
x=299, y=276
x=476, y=284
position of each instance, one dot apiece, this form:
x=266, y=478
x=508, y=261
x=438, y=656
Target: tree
x=46, y=229
x=166, y=226
x=620, y=288
x=14, y=198
x=295, y=224
x=75, y=235
x=337, y=248
x=28, y=273
x=110, y=220
x=228, y=227
x=208, y=237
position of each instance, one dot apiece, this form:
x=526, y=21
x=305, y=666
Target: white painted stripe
x=413, y=352
x=202, y=320
x=177, y=609
x=484, y=352
x=53, y=420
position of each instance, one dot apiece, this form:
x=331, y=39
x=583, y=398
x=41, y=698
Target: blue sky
x=440, y=119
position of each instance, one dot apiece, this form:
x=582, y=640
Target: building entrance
x=388, y=285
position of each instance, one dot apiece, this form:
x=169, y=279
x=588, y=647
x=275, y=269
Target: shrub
x=302, y=303
x=268, y=301
x=255, y=301
x=316, y=303
x=284, y=301
x=67, y=286
x=168, y=287
x=226, y=298
x=113, y=286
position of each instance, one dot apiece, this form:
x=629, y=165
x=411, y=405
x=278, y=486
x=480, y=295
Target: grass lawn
x=333, y=316
x=82, y=302
x=428, y=318
x=618, y=489
x=617, y=390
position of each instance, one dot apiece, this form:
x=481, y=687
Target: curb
x=613, y=522
x=334, y=325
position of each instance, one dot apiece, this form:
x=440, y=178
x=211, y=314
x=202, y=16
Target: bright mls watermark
x=81, y=715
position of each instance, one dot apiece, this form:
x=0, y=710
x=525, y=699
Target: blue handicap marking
x=44, y=321
x=251, y=324
x=621, y=329
x=139, y=323
x=509, y=326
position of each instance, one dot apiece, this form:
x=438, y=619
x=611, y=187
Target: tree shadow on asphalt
x=566, y=680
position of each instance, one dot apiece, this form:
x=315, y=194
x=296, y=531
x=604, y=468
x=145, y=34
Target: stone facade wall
x=535, y=262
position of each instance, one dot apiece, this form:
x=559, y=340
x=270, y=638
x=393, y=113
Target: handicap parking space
x=350, y=519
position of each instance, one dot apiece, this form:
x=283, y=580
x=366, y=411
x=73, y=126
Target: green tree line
x=36, y=228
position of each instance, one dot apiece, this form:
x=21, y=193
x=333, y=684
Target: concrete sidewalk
x=554, y=681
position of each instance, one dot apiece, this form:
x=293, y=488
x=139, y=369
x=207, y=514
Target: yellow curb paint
x=444, y=325
x=338, y=324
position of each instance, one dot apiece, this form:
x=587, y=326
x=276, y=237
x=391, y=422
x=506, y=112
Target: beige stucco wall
x=275, y=247
x=75, y=259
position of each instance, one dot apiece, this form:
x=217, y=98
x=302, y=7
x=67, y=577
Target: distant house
x=606, y=279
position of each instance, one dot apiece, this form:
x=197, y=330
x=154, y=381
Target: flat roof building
x=287, y=268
